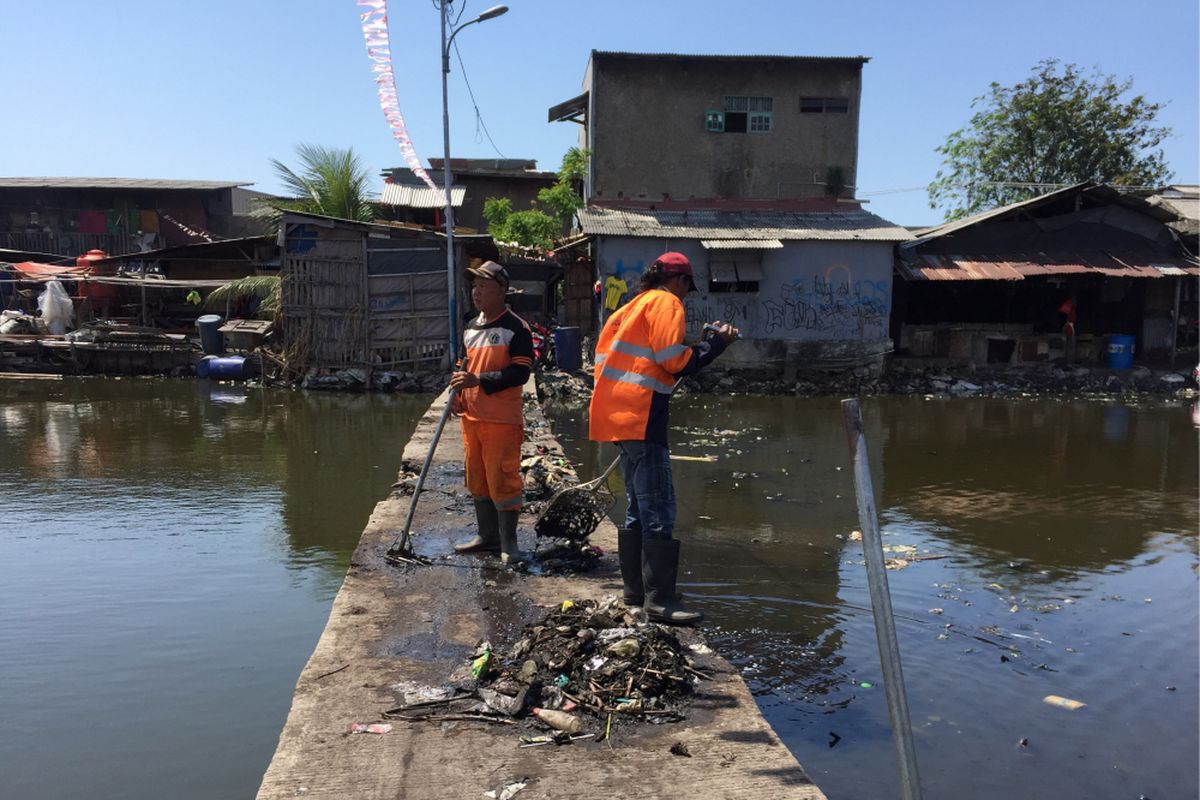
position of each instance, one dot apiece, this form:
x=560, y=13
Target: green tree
x=328, y=181
x=1058, y=126
x=536, y=227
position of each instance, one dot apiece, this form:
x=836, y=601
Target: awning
x=741, y=244
x=570, y=110
x=46, y=272
x=1018, y=266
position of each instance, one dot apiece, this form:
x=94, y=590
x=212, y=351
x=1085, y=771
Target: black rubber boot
x=660, y=568
x=629, y=555
x=509, y=553
x=488, y=538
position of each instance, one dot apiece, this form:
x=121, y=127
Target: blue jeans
x=646, y=468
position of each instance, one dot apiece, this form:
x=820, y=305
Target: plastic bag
x=56, y=309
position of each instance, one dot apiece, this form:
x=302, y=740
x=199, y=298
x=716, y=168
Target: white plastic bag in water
x=56, y=309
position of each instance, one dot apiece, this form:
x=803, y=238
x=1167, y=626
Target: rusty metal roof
x=1018, y=266
x=743, y=226
x=420, y=196
x=115, y=183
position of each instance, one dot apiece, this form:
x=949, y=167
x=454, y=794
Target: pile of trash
x=577, y=668
x=566, y=387
x=544, y=473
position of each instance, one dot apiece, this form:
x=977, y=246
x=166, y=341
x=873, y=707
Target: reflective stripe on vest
x=637, y=379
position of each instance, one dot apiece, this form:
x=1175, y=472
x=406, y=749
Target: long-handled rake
x=401, y=549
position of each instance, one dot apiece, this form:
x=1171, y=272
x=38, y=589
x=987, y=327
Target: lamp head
x=492, y=13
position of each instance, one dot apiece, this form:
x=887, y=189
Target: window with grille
x=742, y=114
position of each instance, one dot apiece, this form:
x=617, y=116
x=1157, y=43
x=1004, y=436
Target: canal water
x=170, y=551
x=1051, y=549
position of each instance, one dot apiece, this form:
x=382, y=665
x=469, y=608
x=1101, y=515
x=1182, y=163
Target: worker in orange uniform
x=499, y=358
x=638, y=358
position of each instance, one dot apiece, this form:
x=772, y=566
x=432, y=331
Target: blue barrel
x=211, y=340
x=228, y=368
x=202, y=366
x=568, y=349
x=1120, y=351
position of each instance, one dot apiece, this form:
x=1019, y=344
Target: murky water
x=1056, y=546
x=169, y=551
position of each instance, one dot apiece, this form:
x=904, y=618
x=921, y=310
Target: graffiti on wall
x=832, y=303
x=735, y=310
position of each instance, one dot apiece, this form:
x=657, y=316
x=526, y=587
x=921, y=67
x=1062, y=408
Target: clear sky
x=213, y=89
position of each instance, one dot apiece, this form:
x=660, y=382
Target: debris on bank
x=566, y=387
x=579, y=668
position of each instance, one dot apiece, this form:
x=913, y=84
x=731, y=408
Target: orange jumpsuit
x=500, y=352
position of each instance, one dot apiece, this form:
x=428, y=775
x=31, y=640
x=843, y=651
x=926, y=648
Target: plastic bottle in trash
x=559, y=719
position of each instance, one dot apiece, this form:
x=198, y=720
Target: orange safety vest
x=493, y=345
x=639, y=353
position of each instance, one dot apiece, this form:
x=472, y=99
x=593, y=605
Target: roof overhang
x=1018, y=266
x=573, y=110
x=741, y=244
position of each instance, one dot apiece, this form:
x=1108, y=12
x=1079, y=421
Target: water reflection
x=178, y=543
x=1065, y=538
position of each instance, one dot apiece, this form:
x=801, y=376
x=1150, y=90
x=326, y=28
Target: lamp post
x=451, y=272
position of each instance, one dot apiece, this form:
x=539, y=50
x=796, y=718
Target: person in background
x=499, y=358
x=639, y=356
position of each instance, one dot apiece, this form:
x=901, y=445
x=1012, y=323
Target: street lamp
x=451, y=273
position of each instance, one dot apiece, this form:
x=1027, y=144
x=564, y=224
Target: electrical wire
x=479, y=123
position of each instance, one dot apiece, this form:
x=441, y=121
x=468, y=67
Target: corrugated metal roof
x=1105, y=193
x=741, y=225
x=114, y=183
x=410, y=196
x=1017, y=266
x=741, y=244
x=727, y=57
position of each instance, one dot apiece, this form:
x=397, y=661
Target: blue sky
x=214, y=89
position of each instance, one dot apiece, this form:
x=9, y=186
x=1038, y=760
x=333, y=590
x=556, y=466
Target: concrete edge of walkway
x=393, y=628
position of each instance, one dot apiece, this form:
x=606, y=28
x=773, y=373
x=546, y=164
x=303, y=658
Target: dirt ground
x=394, y=627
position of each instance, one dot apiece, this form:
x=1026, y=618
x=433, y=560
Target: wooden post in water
x=881, y=603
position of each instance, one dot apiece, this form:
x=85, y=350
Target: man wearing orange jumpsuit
x=638, y=358
x=499, y=358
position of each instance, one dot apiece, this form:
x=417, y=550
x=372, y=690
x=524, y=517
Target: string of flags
x=379, y=51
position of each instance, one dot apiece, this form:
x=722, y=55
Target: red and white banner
x=379, y=50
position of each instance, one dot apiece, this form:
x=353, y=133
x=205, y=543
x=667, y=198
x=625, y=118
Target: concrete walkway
x=391, y=625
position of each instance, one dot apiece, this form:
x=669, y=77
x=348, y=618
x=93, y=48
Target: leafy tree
x=1058, y=126
x=530, y=228
x=536, y=227
x=328, y=181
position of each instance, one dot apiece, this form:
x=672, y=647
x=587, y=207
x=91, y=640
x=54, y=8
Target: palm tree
x=329, y=181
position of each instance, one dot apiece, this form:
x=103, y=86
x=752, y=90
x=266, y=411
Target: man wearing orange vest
x=499, y=359
x=639, y=356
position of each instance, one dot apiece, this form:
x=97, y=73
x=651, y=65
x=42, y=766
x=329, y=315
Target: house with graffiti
x=748, y=165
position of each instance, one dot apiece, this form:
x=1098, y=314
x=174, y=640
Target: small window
x=742, y=114
x=824, y=105
x=733, y=276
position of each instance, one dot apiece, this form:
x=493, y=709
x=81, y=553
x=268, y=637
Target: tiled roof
x=411, y=196
x=854, y=225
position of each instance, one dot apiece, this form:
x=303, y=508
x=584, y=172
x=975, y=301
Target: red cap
x=673, y=263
